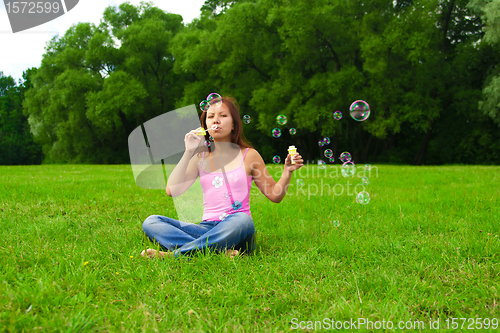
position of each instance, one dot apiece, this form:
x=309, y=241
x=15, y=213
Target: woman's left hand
x=299, y=162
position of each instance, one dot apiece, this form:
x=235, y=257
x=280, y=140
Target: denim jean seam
x=187, y=232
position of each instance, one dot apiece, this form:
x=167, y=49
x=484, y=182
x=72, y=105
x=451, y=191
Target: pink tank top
x=225, y=193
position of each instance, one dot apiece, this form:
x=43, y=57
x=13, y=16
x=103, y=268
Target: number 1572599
x=32, y=7
x=471, y=323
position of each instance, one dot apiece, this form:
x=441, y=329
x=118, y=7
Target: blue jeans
x=236, y=231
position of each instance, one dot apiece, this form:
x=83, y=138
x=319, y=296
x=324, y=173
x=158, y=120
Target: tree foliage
x=428, y=69
x=307, y=59
x=490, y=13
x=16, y=141
x=97, y=83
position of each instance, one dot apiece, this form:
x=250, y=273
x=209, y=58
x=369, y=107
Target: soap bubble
x=345, y=157
x=321, y=143
x=204, y=105
x=293, y=131
x=281, y=119
x=326, y=140
x=336, y=223
x=321, y=164
x=276, y=159
x=363, y=198
x=208, y=143
x=365, y=180
x=348, y=169
x=360, y=110
x=214, y=99
x=211, y=138
x=300, y=182
x=246, y=119
x=368, y=167
x=337, y=115
x=332, y=159
x=328, y=153
x=276, y=132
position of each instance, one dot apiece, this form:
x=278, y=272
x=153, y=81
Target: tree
x=490, y=14
x=217, y=7
x=89, y=94
x=307, y=59
x=421, y=65
x=16, y=141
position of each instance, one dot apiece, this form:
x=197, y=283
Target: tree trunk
x=444, y=45
x=423, y=147
x=354, y=150
x=335, y=146
x=302, y=149
x=367, y=149
x=125, y=122
x=376, y=149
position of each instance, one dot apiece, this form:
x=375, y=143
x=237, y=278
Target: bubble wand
x=204, y=131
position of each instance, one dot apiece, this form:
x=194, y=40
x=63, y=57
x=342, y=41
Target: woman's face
x=220, y=116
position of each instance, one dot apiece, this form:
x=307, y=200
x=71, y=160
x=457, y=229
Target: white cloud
x=25, y=49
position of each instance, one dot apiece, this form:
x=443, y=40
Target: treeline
x=428, y=69
x=16, y=141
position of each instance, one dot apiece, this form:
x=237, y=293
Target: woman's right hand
x=192, y=140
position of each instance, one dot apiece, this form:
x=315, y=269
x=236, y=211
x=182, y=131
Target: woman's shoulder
x=251, y=152
x=252, y=156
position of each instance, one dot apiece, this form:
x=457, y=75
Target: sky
x=22, y=50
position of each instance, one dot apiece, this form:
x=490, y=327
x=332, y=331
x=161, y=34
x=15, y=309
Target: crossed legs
x=233, y=234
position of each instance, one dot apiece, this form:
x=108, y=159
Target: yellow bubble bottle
x=292, y=151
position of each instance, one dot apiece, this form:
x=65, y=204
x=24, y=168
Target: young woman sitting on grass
x=227, y=223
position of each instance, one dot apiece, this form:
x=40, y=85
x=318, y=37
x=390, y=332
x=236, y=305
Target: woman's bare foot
x=151, y=253
x=155, y=254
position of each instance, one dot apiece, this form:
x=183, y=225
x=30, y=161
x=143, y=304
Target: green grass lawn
x=425, y=247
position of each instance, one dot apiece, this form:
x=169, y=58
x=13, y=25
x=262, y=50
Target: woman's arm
x=183, y=175
x=185, y=172
x=265, y=183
